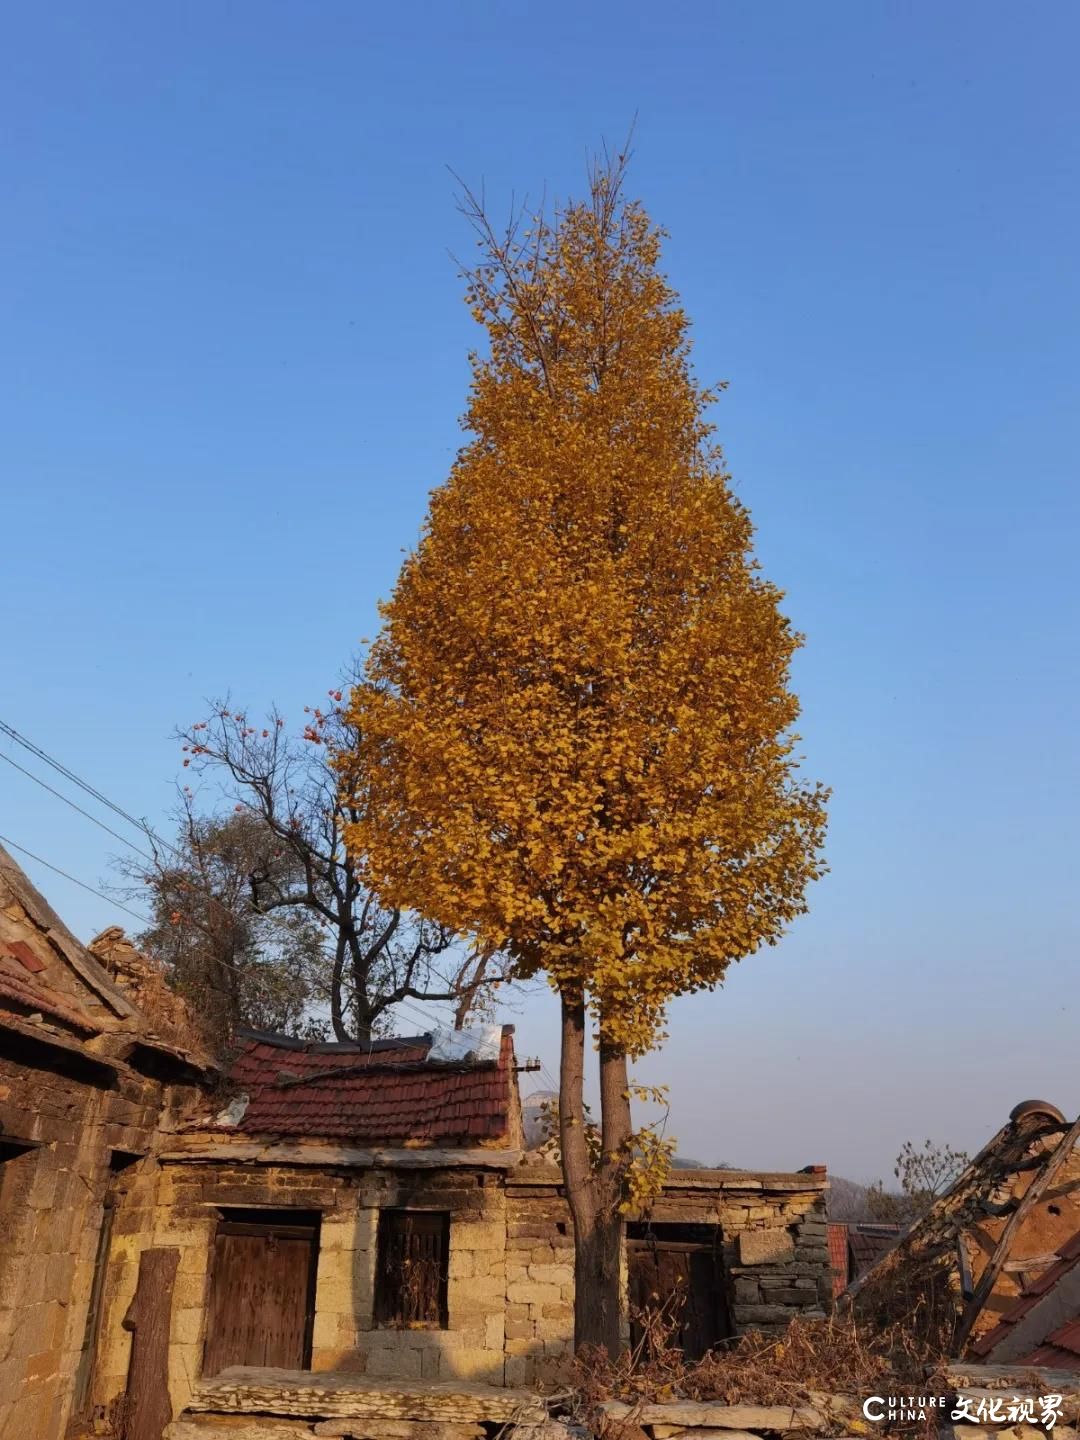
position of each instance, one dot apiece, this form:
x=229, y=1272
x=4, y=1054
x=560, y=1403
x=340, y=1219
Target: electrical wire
x=14, y=844
x=143, y=826
x=60, y=796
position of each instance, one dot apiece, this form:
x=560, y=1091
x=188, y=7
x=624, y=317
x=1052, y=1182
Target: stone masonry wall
x=185, y=1215
x=775, y=1243
x=775, y=1254
x=52, y=1197
x=539, y=1283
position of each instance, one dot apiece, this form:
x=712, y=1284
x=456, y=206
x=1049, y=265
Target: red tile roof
x=25, y=955
x=18, y=990
x=869, y=1242
x=1061, y=1350
x=1069, y=1256
x=388, y=1094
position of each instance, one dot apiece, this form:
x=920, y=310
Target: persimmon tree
x=576, y=723
x=231, y=963
x=262, y=913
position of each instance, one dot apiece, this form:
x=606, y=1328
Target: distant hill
x=684, y=1162
x=847, y=1200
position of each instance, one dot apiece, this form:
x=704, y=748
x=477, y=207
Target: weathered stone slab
x=399, y=1429
x=765, y=1247
x=697, y=1433
x=708, y=1416
x=255, y=1427
x=332, y=1395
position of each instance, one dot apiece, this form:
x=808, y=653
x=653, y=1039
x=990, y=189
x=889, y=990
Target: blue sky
x=233, y=357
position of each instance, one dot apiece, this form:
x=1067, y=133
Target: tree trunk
x=593, y=1193
x=147, y=1406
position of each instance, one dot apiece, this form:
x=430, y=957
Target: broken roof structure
x=56, y=992
x=392, y=1091
x=998, y=1236
x=1043, y=1326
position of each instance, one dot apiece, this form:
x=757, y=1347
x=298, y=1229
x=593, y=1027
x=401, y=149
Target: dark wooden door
x=685, y=1283
x=262, y=1296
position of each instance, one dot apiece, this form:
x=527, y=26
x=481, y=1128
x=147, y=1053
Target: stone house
x=343, y=1215
x=88, y=1085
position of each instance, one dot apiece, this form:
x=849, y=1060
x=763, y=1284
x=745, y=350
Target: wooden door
x=685, y=1282
x=262, y=1295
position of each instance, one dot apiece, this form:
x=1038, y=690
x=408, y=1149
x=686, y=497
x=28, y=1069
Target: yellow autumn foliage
x=577, y=721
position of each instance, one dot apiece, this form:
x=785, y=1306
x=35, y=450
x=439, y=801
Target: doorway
x=676, y=1273
x=262, y=1292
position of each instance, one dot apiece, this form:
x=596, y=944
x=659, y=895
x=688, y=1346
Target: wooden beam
x=1031, y=1262
x=988, y=1279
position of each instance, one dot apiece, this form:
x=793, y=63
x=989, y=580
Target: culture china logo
x=1044, y=1410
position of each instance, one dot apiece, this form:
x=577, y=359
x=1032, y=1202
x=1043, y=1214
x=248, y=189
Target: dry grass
x=835, y=1356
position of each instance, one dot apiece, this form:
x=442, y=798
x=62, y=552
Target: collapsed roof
x=54, y=991
x=419, y=1090
x=1004, y=1223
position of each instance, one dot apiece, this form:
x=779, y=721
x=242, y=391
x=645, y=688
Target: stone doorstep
x=331, y=1395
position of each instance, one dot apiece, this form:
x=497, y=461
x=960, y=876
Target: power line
x=143, y=826
x=62, y=769
x=61, y=796
x=74, y=879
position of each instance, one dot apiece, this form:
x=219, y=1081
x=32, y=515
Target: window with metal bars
x=413, y=1256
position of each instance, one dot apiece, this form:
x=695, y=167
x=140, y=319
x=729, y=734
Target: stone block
x=481, y=1235
x=529, y=1292
x=552, y=1274
x=341, y=1235
x=554, y=1329
x=765, y=1247
x=762, y=1314
x=326, y=1330
x=399, y=1429
x=187, y=1325
x=706, y=1417
x=461, y=1263
x=396, y=1364
x=264, y=1429
x=473, y=1364
x=788, y=1295
x=517, y=1371
x=527, y=1345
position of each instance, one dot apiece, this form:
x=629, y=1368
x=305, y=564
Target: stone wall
x=84, y=1119
x=539, y=1280
x=772, y=1229
x=775, y=1239
x=185, y=1211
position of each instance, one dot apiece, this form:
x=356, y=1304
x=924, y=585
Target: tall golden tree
x=576, y=723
